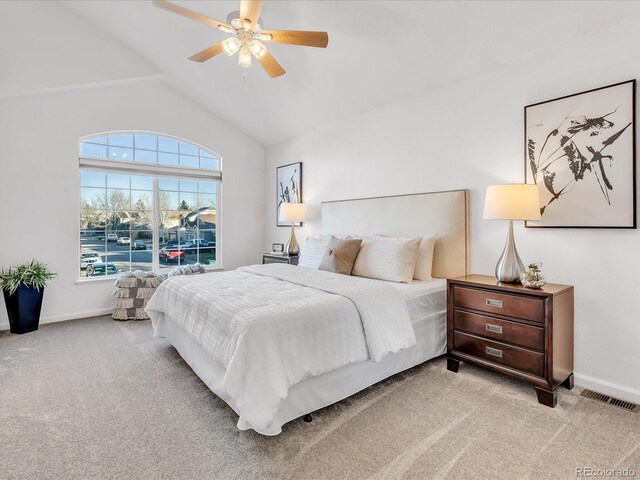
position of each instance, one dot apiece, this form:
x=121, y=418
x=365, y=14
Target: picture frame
x=580, y=150
x=288, y=189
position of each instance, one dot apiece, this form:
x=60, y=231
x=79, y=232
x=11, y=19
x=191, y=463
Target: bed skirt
x=320, y=391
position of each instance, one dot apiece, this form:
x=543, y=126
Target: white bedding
x=424, y=297
x=271, y=326
x=317, y=392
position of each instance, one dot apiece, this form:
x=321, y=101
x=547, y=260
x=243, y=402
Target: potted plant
x=23, y=288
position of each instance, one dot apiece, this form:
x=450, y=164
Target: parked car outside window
x=124, y=241
x=171, y=254
x=88, y=257
x=99, y=269
x=112, y=237
x=204, y=245
x=138, y=245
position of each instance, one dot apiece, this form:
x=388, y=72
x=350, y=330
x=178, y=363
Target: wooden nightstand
x=514, y=330
x=271, y=258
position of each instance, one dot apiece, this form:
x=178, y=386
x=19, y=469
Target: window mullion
x=156, y=226
x=217, y=230
x=151, y=169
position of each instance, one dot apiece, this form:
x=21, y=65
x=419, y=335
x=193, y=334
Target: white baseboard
x=66, y=316
x=607, y=388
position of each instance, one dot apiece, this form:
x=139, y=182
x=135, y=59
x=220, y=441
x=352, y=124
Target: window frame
x=156, y=171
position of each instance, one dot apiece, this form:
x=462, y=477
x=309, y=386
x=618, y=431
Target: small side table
x=507, y=328
x=274, y=258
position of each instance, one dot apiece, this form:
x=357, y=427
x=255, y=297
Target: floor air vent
x=632, y=407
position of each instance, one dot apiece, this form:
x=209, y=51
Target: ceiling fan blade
x=271, y=66
x=295, y=37
x=185, y=12
x=207, y=53
x=250, y=10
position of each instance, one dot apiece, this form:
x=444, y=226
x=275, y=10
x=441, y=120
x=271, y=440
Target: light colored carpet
x=96, y=398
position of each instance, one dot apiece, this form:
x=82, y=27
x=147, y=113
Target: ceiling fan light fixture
x=231, y=45
x=258, y=49
x=244, y=58
x=247, y=36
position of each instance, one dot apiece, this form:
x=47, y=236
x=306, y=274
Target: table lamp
x=511, y=202
x=292, y=212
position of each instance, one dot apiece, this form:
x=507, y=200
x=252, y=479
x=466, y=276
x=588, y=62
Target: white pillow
x=392, y=259
x=424, y=264
x=313, y=251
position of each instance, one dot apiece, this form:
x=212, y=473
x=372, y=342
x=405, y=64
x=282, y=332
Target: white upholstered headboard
x=442, y=213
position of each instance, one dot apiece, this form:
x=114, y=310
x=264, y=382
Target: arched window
x=147, y=202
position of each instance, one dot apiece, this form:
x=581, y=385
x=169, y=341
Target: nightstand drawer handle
x=493, y=351
x=493, y=328
x=493, y=303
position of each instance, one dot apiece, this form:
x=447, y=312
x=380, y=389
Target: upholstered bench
x=133, y=291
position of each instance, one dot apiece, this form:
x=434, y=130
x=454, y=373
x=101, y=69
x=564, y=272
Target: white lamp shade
x=512, y=202
x=292, y=212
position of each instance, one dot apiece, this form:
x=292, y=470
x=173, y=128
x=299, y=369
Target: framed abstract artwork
x=580, y=151
x=288, y=189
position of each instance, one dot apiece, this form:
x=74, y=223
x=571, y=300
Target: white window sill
x=113, y=278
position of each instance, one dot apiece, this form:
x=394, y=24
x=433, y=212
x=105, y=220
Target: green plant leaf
x=33, y=274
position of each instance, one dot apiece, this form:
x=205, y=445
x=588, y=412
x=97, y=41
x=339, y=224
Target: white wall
x=43, y=46
x=470, y=135
x=39, y=189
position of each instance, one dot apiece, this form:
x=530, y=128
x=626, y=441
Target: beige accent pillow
x=391, y=259
x=424, y=264
x=341, y=256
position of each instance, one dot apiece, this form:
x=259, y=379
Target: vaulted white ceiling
x=379, y=52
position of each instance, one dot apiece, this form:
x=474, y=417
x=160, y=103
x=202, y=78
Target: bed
x=305, y=352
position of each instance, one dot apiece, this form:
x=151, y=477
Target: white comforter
x=272, y=326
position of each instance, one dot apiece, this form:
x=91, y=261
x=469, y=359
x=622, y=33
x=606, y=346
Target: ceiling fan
x=247, y=35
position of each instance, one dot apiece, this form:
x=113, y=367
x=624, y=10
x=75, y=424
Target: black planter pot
x=23, y=308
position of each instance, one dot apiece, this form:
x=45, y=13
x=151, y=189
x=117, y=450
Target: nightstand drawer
x=527, y=308
x=271, y=258
x=502, y=330
x=496, y=352
x=275, y=259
